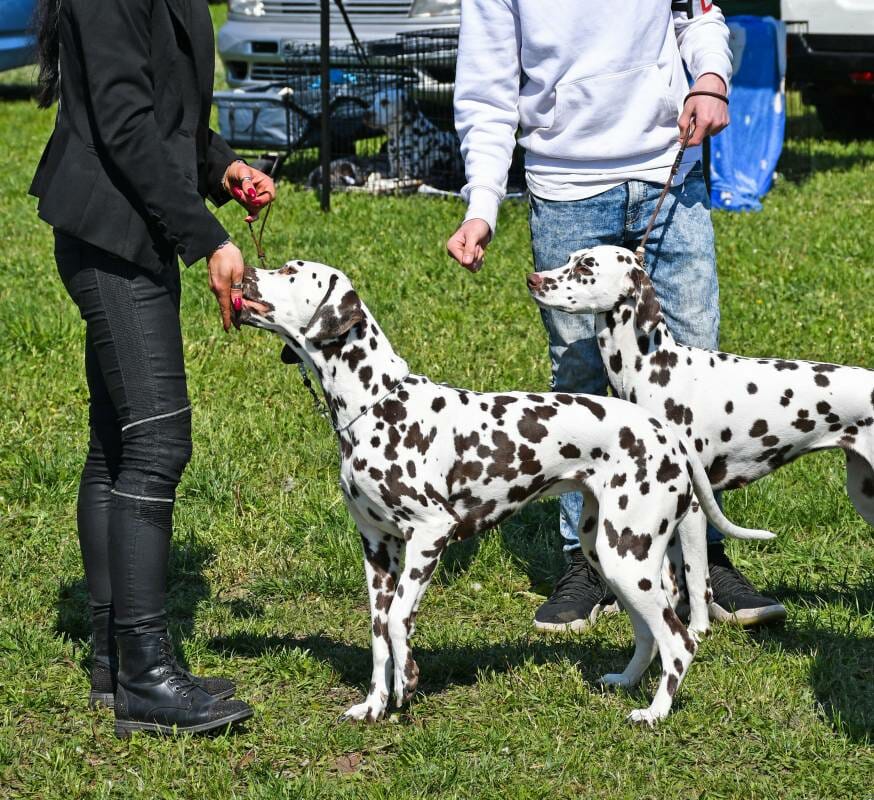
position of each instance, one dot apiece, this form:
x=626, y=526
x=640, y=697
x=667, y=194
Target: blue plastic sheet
x=744, y=156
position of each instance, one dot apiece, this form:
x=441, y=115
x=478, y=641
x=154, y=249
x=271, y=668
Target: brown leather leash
x=640, y=251
x=259, y=240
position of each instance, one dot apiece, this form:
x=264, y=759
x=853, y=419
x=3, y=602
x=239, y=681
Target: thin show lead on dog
x=422, y=464
x=745, y=417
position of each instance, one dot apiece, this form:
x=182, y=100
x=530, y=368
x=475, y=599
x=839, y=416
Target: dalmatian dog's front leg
x=381, y=552
x=423, y=552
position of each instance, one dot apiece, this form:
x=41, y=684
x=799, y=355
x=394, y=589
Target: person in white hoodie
x=599, y=94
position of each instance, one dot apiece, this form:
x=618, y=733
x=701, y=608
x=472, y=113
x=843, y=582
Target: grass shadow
x=842, y=671
x=441, y=668
x=186, y=588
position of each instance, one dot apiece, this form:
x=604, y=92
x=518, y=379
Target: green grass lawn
x=267, y=582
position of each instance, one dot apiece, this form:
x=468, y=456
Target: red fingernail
x=237, y=303
x=238, y=194
x=252, y=192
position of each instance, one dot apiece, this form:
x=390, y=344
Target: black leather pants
x=140, y=435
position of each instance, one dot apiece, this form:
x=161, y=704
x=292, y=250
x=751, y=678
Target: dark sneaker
x=578, y=599
x=735, y=599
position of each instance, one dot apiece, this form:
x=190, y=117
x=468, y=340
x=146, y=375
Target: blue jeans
x=680, y=260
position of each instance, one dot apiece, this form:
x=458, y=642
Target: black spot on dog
x=628, y=542
x=729, y=407
x=678, y=629
x=596, y=408
x=725, y=435
x=615, y=361
x=667, y=471
x=718, y=470
x=821, y=380
x=644, y=584
x=570, y=451
x=438, y=404
x=759, y=428
x=752, y=388
x=780, y=365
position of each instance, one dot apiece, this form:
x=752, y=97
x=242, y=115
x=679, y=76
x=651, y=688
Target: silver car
x=262, y=37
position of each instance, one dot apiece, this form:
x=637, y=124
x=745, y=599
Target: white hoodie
x=602, y=86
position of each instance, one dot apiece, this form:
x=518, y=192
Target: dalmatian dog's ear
x=288, y=356
x=335, y=316
x=647, y=310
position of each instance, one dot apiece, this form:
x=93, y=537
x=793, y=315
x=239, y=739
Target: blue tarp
x=743, y=157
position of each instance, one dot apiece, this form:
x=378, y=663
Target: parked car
x=16, y=41
x=261, y=39
x=830, y=55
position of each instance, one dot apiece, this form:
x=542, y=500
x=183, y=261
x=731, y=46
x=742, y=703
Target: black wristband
x=717, y=95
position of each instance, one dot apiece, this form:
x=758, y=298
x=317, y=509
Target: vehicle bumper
x=825, y=60
x=246, y=44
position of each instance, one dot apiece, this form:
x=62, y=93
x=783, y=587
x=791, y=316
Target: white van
x=258, y=33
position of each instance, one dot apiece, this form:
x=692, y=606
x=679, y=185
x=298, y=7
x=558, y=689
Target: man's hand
x=468, y=244
x=708, y=115
x=251, y=188
x=225, y=267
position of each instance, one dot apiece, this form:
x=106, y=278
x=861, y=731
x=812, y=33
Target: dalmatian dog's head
x=594, y=280
x=307, y=304
x=388, y=110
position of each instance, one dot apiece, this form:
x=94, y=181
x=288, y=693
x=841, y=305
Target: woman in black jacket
x=122, y=181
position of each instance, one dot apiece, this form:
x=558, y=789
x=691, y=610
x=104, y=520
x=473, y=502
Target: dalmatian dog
x=422, y=464
x=417, y=148
x=743, y=417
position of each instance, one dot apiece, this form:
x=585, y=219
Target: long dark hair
x=48, y=47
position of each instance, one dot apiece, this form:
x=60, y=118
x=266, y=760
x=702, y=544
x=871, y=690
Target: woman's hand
x=710, y=114
x=251, y=188
x=468, y=244
x=225, y=267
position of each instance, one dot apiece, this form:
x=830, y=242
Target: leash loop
x=639, y=253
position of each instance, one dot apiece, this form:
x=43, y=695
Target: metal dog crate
x=285, y=115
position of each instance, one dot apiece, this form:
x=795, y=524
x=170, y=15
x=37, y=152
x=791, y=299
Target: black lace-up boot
x=153, y=694
x=735, y=599
x=104, y=669
x=578, y=599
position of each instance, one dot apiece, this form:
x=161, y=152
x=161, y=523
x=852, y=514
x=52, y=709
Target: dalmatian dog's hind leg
x=423, y=551
x=692, y=531
x=860, y=483
x=633, y=563
x=381, y=557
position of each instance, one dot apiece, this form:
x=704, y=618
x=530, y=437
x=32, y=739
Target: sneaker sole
x=748, y=617
x=97, y=700
x=577, y=625
x=125, y=728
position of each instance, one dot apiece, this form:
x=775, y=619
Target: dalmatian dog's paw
x=406, y=682
x=616, y=680
x=699, y=633
x=371, y=710
x=643, y=716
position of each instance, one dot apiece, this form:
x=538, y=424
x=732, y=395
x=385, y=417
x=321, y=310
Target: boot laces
x=179, y=679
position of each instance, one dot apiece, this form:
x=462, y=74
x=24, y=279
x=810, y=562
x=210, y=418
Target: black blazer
x=132, y=157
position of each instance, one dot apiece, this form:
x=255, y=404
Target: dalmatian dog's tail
x=704, y=492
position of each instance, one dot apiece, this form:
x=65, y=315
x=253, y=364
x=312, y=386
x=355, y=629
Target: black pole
x=325, y=138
